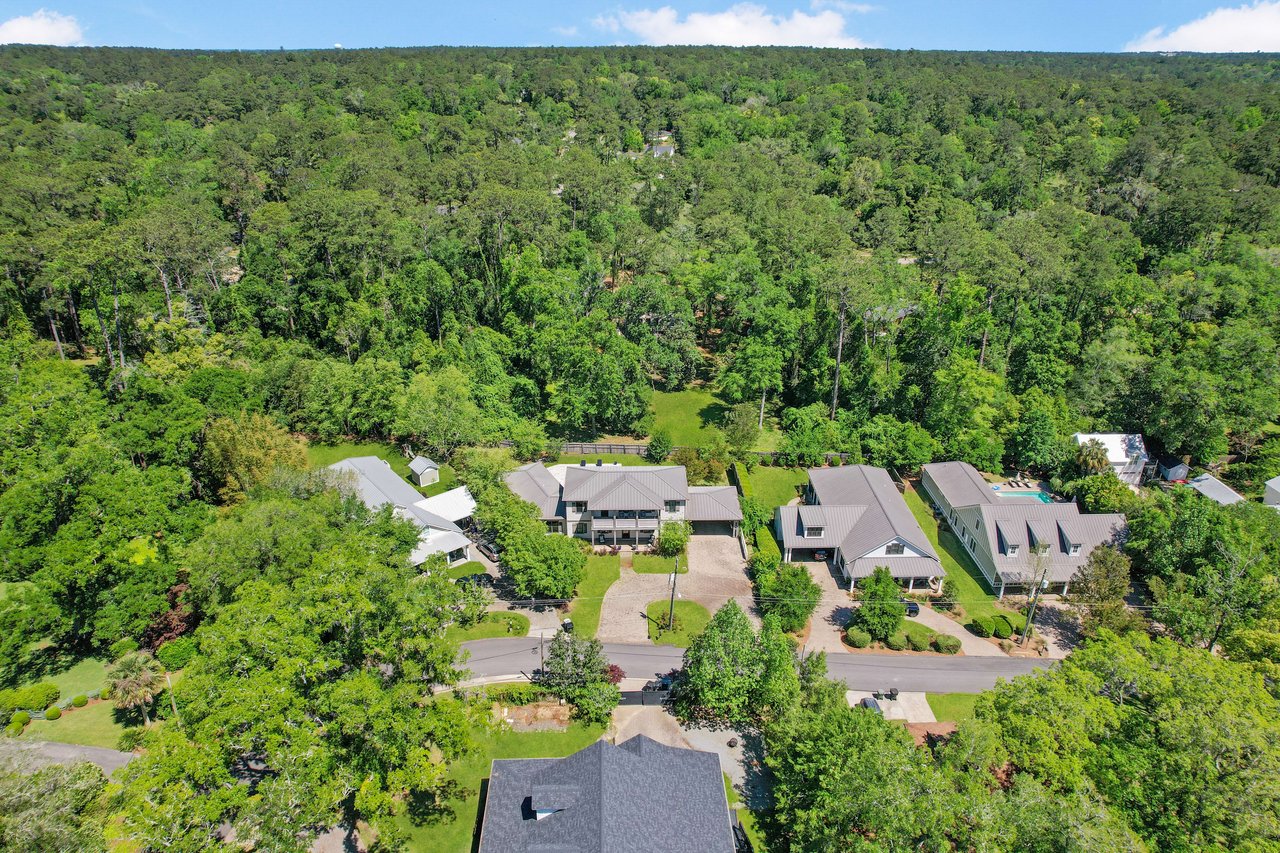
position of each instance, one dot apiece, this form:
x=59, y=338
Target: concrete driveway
x=834, y=608
x=969, y=644
x=908, y=707
x=717, y=573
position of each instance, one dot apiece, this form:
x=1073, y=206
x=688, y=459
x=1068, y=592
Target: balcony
x=609, y=524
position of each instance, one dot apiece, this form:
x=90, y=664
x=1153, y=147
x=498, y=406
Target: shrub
x=946, y=599
x=52, y=713
x=12, y=730
x=1006, y=646
x=130, y=739
x=659, y=447
x=514, y=694
x=918, y=642
x=788, y=592
x=857, y=637
x=946, y=644
x=765, y=544
x=177, y=653
x=1000, y=628
x=980, y=626
x=896, y=642
x=80, y=701
x=122, y=647
x=40, y=695
x=20, y=719
x=744, y=482
x=673, y=538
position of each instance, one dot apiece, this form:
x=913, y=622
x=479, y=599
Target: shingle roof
x=638, y=796
x=421, y=463
x=534, y=483
x=1213, y=488
x=713, y=503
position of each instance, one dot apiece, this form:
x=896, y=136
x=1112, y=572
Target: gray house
x=377, y=485
x=1174, y=468
x=1271, y=496
x=424, y=471
x=623, y=505
x=637, y=797
x=1016, y=539
x=856, y=514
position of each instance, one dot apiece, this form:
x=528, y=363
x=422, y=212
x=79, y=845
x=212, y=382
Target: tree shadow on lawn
x=51, y=661
x=426, y=808
x=713, y=414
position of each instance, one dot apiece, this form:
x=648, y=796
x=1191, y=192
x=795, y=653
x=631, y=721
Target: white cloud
x=567, y=32
x=843, y=6
x=738, y=26
x=42, y=27
x=1226, y=30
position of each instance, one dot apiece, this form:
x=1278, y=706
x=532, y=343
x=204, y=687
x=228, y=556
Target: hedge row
x=766, y=546
x=943, y=643
x=744, y=482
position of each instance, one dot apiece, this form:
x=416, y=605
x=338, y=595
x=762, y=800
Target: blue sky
x=1062, y=25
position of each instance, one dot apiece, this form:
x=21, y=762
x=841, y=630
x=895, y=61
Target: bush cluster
x=1001, y=628
x=857, y=637
x=918, y=642
x=515, y=694
x=31, y=697
x=52, y=713
x=946, y=644
x=896, y=642
x=981, y=626
x=177, y=653
x=12, y=730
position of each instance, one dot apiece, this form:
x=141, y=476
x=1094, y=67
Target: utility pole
x=172, y=701
x=671, y=611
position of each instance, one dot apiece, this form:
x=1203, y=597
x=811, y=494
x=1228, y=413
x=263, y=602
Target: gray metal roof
x=836, y=523
x=886, y=516
x=377, y=485
x=1057, y=526
x=652, y=484
x=962, y=485
x=900, y=567
x=534, y=483
x=713, y=503
x=421, y=463
x=1214, y=489
x=636, y=797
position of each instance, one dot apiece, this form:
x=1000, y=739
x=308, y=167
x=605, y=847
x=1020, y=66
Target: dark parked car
x=662, y=682
x=913, y=608
x=488, y=550
x=871, y=705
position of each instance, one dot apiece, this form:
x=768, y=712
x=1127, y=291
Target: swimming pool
x=1037, y=494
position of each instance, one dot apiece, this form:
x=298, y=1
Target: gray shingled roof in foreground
x=637, y=797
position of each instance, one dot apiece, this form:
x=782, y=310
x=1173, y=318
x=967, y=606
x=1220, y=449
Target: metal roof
x=593, y=483
x=535, y=484
x=1029, y=524
x=421, y=463
x=1214, y=489
x=377, y=485
x=637, y=796
x=713, y=503
x=962, y=485
x=886, y=516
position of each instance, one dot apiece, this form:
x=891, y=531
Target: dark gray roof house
x=857, y=514
x=623, y=504
x=1017, y=537
x=637, y=797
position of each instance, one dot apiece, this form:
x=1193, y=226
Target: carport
x=713, y=510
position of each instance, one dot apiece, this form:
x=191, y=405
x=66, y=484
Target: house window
x=672, y=506
x=578, y=506
x=1012, y=549
x=894, y=549
x=1075, y=550
x=814, y=532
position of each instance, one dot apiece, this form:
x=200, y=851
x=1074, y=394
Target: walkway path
x=969, y=644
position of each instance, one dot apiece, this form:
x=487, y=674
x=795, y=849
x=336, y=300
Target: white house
x=1271, y=497
x=377, y=485
x=1126, y=452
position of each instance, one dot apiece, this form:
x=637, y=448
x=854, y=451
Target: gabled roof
x=455, y=504
x=837, y=521
x=377, y=485
x=421, y=463
x=1214, y=489
x=637, y=796
x=534, y=483
x=886, y=516
x=713, y=503
x=1006, y=523
x=653, y=483
x=1121, y=447
x=961, y=484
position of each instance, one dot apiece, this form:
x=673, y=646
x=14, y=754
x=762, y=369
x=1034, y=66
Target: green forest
x=213, y=261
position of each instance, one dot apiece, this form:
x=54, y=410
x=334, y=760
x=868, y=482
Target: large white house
x=856, y=514
x=1016, y=538
x=1271, y=497
x=377, y=485
x=623, y=505
x=1126, y=452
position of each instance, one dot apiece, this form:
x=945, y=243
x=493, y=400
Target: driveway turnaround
x=933, y=673
x=35, y=754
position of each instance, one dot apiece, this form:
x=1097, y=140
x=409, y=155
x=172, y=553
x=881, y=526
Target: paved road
x=39, y=753
x=505, y=656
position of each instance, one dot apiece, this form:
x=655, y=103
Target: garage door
x=713, y=528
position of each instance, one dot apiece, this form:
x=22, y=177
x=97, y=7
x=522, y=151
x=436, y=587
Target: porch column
x=787, y=558
x=1000, y=594
x=911, y=584
x=1064, y=588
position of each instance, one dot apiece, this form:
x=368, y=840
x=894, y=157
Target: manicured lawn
x=745, y=817
x=74, y=678
x=691, y=618
x=777, y=486
x=449, y=826
x=607, y=458
x=499, y=624
x=952, y=707
x=448, y=480
x=652, y=564
x=688, y=416
x=471, y=567
x=92, y=725
x=320, y=455
x=914, y=629
x=972, y=591
x=602, y=571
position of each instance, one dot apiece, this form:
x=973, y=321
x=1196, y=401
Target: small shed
x=1174, y=468
x=424, y=471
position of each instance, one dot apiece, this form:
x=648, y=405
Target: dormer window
x=1012, y=549
x=1075, y=550
x=814, y=532
x=894, y=549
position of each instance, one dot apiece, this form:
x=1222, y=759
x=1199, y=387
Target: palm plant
x=1092, y=457
x=134, y=681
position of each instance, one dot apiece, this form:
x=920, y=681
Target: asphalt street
x=934, y=674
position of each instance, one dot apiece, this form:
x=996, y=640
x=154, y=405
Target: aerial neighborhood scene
x=705, y=427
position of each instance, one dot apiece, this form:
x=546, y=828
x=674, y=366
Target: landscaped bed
x=93, y=725
x=691, y=619
x=919, y=639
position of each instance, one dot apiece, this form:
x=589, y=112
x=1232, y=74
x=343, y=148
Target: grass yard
x=652, y=564
x=72, y=677
x=688, y=416
x=449, y=826
x=972, y=591
x=921, y=632
x=92, y=725
x=496, y=624
x=321, y=455
x=602, y=571
x=745, y=816
x=462, y=570
x=952, y=707
x=691, y=618
x=777, y=486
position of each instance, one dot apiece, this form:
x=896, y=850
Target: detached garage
x=713, y=510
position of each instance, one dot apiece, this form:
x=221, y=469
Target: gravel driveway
x=717, y=573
